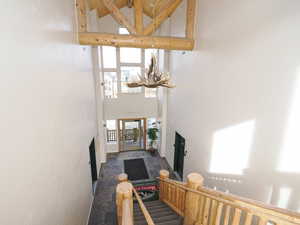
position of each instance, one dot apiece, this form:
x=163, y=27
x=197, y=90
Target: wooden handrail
x=212, y=204
x=143, y=208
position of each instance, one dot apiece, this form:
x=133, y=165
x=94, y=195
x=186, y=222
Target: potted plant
x=152, y=134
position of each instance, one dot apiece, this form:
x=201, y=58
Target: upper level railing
x=202, y=206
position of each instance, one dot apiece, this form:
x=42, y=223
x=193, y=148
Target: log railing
x=202, y=206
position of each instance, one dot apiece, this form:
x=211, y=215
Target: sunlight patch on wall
x=290, y=152
x=284, y=197
x=231, y=148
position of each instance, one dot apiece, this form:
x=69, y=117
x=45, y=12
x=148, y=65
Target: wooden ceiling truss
x=140, y=36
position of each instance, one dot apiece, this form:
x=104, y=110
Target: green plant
x=135, y=134
x=152, y=134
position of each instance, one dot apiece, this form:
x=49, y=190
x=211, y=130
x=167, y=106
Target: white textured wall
x=130, y=106
x=244, y=68
x=47, y=115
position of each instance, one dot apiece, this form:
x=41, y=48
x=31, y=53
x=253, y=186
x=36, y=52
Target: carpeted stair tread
x=153, y=211
x=161, y=214
x=158, y=214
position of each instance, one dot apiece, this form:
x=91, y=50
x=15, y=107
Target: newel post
x=163, y=174
x=194, y=181
x=123, y=177
x=124, y=192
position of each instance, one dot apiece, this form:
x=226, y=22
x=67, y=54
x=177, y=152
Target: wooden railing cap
x=194, y=179
x=164, y=174
x=125, y=188
x=122, y=177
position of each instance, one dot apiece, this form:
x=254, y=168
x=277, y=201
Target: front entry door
x=179, y=154
x=132, y=134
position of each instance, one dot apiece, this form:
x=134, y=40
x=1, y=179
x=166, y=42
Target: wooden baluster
x=177, y=200
x=248, y=220
x=219, y=213
x=262, y=221
x=227, y=215
x=163, y=174
x=206, y=211
x=200, y=211
x=124, y=192
x=213, y=212
x=194, y=181
x=236, y=217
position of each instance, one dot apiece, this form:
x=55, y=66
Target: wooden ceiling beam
x=154, y=7
x=190, y=19
x=162, y=16
x=134, y=41
x=103, y=11
x=81, y=16
x=93, y=4
x=118, y=15
x=138, y=9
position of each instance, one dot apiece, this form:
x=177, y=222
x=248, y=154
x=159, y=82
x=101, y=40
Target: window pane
x=111, y=124
x=130, y=55
x=123, y=30
x=148, y=55
x=109, y=57
x=129, y=74
x=111, y=131
x=150, y=92
x=110, y=84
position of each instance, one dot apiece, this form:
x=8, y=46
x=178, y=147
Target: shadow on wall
x=235, y=167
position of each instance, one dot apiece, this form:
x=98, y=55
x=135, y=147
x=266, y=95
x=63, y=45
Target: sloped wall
x=236, y=98
x=47, y=117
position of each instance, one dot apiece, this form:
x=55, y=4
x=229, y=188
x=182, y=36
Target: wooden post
x=124, y=193
x=81, y=16
x=190, y=19
x=139, y=24
x=163, y=174
x=123, y=177
x=194, y=181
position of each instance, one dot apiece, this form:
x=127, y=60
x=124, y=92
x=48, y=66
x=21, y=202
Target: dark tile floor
x=104, y=210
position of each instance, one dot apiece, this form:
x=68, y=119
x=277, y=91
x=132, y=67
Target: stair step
x=151, y=206
x=161, y=214
x=151, y=203
x=165, y=218
x=171, y=222
x=152, y=211
x=158, y=214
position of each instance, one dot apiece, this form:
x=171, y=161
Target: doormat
x=135, y=169
x=147, y=190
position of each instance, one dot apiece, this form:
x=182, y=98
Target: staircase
x=160, y=213
x=190, y=203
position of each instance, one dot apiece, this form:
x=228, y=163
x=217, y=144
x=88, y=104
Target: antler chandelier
x=152, y=78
